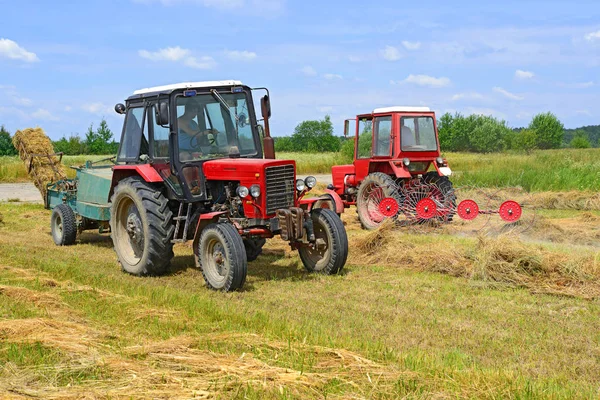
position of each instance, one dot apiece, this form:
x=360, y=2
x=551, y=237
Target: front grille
x=280, y=187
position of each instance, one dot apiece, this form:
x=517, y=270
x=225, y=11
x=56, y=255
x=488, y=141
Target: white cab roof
x=186, y=85
x=400, y=109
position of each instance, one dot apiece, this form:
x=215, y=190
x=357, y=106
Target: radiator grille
x=280, y=187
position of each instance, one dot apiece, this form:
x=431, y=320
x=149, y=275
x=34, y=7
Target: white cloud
x=166, y=54
x=520, y=74
x=391, y=53
x=179, y=54
x=332, y=76
x=97, y=108
x=524, y=115
x=68, y=108
x=583, y=112
x=204, y=62
x=44, y=114
x=237, y=55
x=592, y=36
x=508, y=94
x=579, y=85
x=355, y=59
x=424, y=80
x=309, y=71
x=411, y=45
x=12, y=50
x=22, y=101
x=467, y=96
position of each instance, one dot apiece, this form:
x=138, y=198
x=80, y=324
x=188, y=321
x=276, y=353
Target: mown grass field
x=446, y=314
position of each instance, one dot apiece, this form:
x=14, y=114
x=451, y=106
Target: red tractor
x=192, y=166
x=397, y=170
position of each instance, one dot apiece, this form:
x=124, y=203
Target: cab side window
x=131, y=140
x=365, y=138
x=383, y=130
x=161, y=138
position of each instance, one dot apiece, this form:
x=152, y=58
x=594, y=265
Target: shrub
x=549, y=130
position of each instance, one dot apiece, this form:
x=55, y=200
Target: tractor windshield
x=209, y=127
x=417, y=134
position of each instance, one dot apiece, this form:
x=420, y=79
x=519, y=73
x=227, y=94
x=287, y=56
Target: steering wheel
x=211, y=139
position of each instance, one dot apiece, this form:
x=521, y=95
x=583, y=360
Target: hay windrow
x=34, y=148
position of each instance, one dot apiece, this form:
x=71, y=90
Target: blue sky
x=64, y=64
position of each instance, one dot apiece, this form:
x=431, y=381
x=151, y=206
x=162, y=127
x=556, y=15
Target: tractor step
x=180, y=217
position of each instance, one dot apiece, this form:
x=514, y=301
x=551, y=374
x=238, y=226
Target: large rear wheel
x=331, y=249
x=375, y=189
x=142, y=227
x=222, y=257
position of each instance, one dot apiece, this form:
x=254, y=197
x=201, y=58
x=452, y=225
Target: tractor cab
x=402, y=140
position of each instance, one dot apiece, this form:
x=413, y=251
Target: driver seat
x=407, y=137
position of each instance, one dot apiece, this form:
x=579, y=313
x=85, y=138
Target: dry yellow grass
x=35, y=149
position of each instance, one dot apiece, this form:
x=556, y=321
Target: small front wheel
x=330, y=252
x=63, y=225
x=222, y=257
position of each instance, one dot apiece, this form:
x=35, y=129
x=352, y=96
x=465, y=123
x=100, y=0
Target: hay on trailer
x=37, y=152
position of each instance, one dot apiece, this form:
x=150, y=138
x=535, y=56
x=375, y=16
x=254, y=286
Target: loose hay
x=35, y=149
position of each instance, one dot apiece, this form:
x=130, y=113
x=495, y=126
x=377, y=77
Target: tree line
x=473, y=133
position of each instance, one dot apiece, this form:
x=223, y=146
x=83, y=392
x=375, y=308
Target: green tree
x=71, y=146
x=347, y=150
x=6, y=146
x=549, y=130
x=525, y=140
x=488, y=134
x=99, y=141
x=284, y=143
x=315, y=136
x=580, y=140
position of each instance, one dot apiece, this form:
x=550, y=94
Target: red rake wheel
x=467, y=210
x=510, y=211
x=426, y=208
x=389, y=207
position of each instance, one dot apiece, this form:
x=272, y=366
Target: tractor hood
x=245, y=170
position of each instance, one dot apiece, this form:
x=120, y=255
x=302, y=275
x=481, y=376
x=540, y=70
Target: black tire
x=388, y=188
x=329, y=227
x=141, y=223
x=222, y=257
x=447, y=194
x=253, y=248
x=63, y=225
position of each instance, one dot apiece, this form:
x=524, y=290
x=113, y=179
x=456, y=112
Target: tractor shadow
x=95, y=239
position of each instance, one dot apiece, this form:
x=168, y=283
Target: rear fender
x=145, y=171
x=203, y=222
x=330, y=196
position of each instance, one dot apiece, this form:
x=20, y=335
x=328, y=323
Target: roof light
x=237, y=89
x=189, y=93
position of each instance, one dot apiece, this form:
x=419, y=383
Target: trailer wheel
x=332, y=251
x=142, y=226
x=222, y=257
x=374, y=188
x=63, y=225
x=254, y=248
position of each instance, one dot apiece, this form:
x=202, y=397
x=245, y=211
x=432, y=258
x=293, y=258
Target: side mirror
x=162, y=113
x=120, y=108
x=346, y=127
x=265, y=107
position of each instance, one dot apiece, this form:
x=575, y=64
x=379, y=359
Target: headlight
x=439, y=161
x=300, y=186
x=406, y=162
x=310, y=182
x=242, y=191
x=255, y=190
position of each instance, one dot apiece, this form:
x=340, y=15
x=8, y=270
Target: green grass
x=428, y=335
x=548, y=170
x=12, y=169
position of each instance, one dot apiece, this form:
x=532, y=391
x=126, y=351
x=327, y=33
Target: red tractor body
x=398, y=146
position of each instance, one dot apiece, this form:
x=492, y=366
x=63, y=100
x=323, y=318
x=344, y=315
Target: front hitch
x=294, y=223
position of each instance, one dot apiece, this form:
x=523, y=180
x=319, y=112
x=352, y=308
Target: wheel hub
x=467, y=210
x=134, y=228
x=510, y=211
x=388, y=207
x=426, y=208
